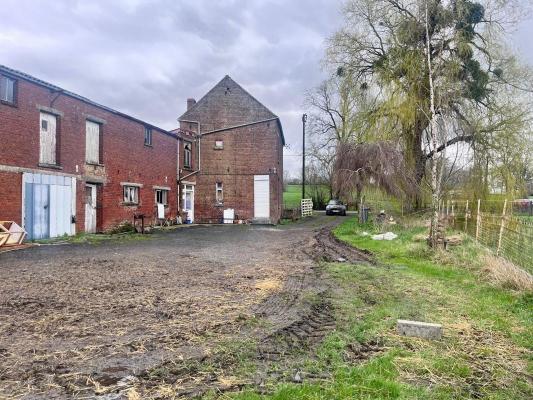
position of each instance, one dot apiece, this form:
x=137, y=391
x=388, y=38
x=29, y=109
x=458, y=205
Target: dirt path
x=89, y=321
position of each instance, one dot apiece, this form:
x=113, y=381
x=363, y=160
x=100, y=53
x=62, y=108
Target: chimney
x=190, y=103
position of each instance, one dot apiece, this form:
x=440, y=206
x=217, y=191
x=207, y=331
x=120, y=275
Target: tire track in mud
x=313, y=320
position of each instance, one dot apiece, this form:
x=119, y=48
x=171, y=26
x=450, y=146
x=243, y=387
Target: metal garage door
x=261, y=197
x=49, y=204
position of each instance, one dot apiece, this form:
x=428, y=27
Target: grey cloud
x=145, y=57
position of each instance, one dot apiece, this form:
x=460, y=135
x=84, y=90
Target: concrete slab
x=419, y=329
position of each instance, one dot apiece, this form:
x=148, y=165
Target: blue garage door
x=49, y=204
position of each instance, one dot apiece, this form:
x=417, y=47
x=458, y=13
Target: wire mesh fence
x=506, y=227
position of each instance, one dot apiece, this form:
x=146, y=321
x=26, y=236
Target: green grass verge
x=485, y=352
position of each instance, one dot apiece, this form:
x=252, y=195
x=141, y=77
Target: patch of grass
x=485, y=351
x=93, y=238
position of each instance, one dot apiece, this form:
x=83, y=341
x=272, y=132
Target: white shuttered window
x=48, y=139
x=92, y=142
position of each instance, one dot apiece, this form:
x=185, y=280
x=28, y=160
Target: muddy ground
x=97, y=320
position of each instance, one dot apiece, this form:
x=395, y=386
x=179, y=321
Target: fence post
x=466, y=216
x=478, y=219
x=453, y=214
x=501, y=228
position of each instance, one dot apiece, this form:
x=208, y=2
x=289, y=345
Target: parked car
x=335, y=207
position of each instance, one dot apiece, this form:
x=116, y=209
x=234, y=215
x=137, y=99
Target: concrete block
x=419, y=329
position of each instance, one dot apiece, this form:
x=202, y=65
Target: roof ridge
x=31, y=78
x=215, y=87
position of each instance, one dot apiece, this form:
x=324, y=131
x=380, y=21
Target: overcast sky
x=145, y=57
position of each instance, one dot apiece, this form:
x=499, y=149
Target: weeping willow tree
x=384, y=48
x=377, y=164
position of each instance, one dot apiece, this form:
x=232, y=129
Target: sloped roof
x=40, y=82
x=228, y=105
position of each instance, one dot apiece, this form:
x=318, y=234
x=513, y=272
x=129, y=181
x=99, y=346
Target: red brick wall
x=125, y=158
x=11, y=197
x=248, y=151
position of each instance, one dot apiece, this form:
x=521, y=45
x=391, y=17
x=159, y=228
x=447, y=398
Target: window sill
x=51, y=166
x=149, y=145
x=187, y=168
x=94, y=164
x=7, y=103
x=129, y=204
x=219, y=204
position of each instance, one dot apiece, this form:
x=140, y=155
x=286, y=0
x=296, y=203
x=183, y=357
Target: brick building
x=241, y=147
x=69, y=165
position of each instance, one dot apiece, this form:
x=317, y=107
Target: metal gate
x=49, y=205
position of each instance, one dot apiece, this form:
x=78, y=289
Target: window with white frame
x=219, y=192
x=147, y=136
x=187, y=155
x=219, y=144
x=161, y=196
x=131, y=194
x=7, y=89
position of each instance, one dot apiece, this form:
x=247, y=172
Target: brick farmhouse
x=241, y=146
x=70, y=165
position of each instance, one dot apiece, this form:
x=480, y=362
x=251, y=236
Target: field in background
x=293, y=194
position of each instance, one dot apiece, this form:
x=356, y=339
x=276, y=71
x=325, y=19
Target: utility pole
x=304, y=119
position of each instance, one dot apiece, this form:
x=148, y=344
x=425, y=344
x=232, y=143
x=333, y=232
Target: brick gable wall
x=248, y=151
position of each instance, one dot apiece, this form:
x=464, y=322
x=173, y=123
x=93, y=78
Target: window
x=131, y=195
x=48, y=139
x=187, y=155
x=219, y=144
x=147, y=136
x=161, y=196
x=92, y=142
x=219, y=192
x=7, y=89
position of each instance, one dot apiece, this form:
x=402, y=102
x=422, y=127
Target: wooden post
x=478, y=219
x=502, y=225
x=361, y=210
x=453, y=214
x=466, y=216
x=447, y=207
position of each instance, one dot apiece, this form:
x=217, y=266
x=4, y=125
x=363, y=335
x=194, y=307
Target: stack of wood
x=11, y=234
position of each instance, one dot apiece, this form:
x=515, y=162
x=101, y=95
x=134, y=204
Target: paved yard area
x=77, y=319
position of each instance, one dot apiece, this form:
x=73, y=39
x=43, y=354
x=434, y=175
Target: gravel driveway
x=77, y=319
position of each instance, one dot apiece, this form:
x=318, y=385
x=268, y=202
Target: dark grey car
x=335, y=207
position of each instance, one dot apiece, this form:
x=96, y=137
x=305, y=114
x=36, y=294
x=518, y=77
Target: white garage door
x=49, y=205
x=261, y=196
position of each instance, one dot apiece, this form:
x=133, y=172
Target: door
x=41, y=211
x=47, y=144
x=188, y=201
x=90, y=208
x=261, y=196
x=49, y=205
x=92, y=142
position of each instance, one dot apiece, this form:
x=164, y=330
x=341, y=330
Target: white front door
x=90, y=208
x=261, y=196
x=188, y=202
